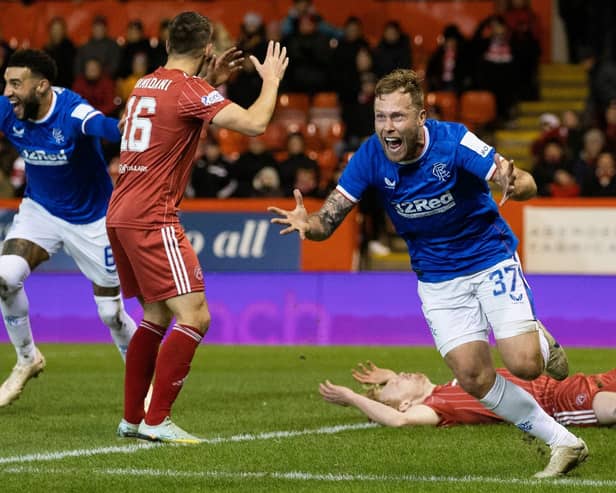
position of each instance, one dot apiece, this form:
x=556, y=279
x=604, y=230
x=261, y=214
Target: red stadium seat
x=328, y=163
x=325, y=100
x=312, y=138
x=232, y=144
x=446, y=101
x=275, y=136
x=293, y=100
x=477, y=108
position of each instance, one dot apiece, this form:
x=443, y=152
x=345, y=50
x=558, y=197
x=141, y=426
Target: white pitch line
x=129, y=449
x=323, y=477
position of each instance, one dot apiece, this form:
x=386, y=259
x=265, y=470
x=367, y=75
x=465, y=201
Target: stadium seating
x=232, y=144
x=446, y=101
x=477, y=108
x=328, y=162
x=275, y=136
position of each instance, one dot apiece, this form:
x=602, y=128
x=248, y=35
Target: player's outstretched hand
x=275, y=63
x=219, y=69
x=336, y=394
x=369, y=373
x=505, y=177
x=295, y=220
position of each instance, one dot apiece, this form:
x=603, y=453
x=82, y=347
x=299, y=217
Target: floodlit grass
x=239, y=395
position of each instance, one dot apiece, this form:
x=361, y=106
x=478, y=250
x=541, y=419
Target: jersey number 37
x=138, y=128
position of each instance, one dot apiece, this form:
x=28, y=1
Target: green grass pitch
x=269, y=430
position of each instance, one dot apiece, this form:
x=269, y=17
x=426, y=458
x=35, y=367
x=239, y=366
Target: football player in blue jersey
x=57, y=133
x=432, y=178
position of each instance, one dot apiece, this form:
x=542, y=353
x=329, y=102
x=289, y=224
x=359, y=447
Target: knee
x=109, y=309
x=13, y=271
x=204, y=320
x=526, y=366
x=477, y=381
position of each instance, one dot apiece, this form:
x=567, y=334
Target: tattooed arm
x=317, y=226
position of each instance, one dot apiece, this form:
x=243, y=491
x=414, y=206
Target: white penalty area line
x=135, y=447
x=307, y=476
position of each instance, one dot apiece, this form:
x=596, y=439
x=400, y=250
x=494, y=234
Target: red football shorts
x=156, y=264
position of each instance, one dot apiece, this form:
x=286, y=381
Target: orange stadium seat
x=325, y=100
x=292, y=109
x=312, y=137
x=447, y=102
x=333, y=132
x=328, y=162
x=477, y=108
x=294, y=100
x=232, y=144
x=275, y=136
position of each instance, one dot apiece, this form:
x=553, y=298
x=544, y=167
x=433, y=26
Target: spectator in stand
x=221, y=39
x=602, y=85
x=574, y=14
x=549, y=125
x=346, y=74
x=159, y=52
x=290, y=24
x=525, y=35
x=310, y=58
x=393, y=50
x=139, y=69
x=449, y=68
x=572, y=132
x=553, y=173
x=584, y=166
x=246, y=85
x=602, y=183
x=5, y=52
x=136, y=42
x=266, y=183
x=249, y=164
x=101, y=47
x=8, y=156
x=297, y=159
x=62, y=50
x=495, y=71
x=97, y=87
x=359, y=116
x=307, y=182
x=609, y=125
x=211, y=174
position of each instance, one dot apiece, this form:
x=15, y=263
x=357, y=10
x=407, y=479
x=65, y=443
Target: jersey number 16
x=138, y=129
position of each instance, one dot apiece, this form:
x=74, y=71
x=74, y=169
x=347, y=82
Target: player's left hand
x=369, y=373
x=336, y=394
x=219, y=69
x=505, y=177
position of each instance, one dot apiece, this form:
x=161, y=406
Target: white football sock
x=517, y=406
x=112, y=313
x=14, y=269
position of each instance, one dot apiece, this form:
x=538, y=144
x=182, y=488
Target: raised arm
x=515, y=184
x=317, y=226
x=377, y=411
x=371, y=374
x=254, y=120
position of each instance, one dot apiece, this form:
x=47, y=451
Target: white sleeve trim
x=83, y=123
x=491, y=172
x=347, y=194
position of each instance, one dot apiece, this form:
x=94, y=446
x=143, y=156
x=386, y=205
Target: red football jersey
x=569, y=401
x=164, y=118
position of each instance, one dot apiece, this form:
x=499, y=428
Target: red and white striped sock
x=140, y=364
x=172, y=367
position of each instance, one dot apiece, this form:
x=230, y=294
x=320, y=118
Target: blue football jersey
x=65, y=169
x=440, y=202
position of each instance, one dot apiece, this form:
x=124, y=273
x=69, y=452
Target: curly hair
x=39, y=63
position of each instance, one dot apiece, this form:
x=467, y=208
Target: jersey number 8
x=138, y=129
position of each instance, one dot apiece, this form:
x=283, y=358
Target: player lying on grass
x=407, y=399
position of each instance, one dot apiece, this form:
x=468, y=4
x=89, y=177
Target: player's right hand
x=295, y=220
x=275, y=63
x=369, y=373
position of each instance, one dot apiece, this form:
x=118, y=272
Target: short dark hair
x=39, y=63
x=189, y=33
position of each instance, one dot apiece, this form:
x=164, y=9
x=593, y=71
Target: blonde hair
x=405, y=79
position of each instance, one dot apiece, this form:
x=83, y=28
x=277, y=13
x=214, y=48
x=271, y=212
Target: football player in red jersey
x=407, y=399
x=163, y=120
